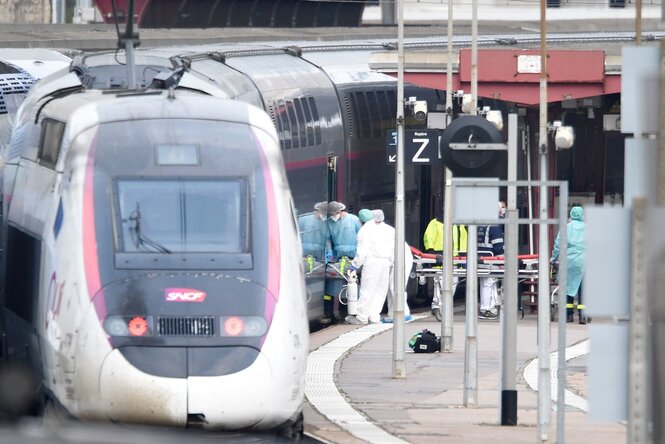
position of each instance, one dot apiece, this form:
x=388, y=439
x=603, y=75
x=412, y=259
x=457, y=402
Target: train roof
x=94, y=106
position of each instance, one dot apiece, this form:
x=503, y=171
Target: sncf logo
x=184, y=295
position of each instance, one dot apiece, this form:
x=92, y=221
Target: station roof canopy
x=578, y=67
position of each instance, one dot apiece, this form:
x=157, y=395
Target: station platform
x=352, y=397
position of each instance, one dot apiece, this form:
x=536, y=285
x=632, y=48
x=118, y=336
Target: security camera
x=467, y=103
x=420, y=109
x=495, y=117
x=564, y=137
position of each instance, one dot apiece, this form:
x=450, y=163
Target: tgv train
x=331, y=112
x=150, y=246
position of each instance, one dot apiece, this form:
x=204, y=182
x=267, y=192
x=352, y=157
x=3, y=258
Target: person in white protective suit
x=408, y=264
x=374, y=254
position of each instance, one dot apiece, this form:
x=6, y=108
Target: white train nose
x=244, y=399
x=130, y=395
x=241, y=398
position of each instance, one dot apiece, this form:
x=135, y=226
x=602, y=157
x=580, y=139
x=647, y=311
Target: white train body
x=153, y=260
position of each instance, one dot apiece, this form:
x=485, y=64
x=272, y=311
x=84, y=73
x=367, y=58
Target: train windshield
x=173, y=194
x=182, y=215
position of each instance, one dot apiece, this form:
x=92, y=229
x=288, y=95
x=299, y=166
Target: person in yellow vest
x=433, y=240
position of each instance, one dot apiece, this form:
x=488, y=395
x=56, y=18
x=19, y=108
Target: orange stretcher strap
x=416, y=252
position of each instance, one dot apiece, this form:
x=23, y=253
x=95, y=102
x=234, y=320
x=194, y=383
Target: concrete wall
x=25, y=11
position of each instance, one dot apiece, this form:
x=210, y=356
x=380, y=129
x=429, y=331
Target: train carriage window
x=297, y=122
x=362, y=114
x=315, y=119
x=374, y=114
x=283, y=125
x=302, y=123
x=388, y=109
x=182, y=215
x=311, y=141
x=50, y=142
x=294, y=124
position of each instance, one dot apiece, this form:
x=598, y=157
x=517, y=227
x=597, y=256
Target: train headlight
x=128, y=326
x=138, y=326
x=252, y=326
x=255, y=326
x=116, y=326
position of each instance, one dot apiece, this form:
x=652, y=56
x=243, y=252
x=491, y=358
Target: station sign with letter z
x=420, y=146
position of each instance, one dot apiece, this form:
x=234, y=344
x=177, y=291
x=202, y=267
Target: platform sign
x=474, y=202
x=420, y=146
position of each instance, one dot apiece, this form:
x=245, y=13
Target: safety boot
x=570, y=309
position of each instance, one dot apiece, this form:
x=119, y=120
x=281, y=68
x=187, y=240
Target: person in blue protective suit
x=490, y=243
x=343, y=229
x=575, y=262
x=314, y=232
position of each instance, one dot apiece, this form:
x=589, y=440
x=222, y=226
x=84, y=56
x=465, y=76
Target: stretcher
x=428, y=267
x=488, y=266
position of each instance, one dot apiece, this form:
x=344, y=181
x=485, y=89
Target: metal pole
x=529, y=190
x=129, y=46
x=447, y=290
x=639, y=384
x=561, y=340
x=509, y=312
x=660, y=184
x=131, y=71
x=638, y=22
x=544, y=388
x=471, y=348
x=474, y=57
x=399, y=368
x=449, y=64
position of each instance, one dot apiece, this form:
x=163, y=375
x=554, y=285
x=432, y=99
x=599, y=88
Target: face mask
x=322, y=216
x=335, y=217
x=502, y=212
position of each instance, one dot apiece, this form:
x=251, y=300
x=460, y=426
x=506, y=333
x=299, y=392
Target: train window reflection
x=181, y=215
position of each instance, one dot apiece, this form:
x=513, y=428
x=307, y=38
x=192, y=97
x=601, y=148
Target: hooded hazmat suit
x=575, y=256
x=374, y=254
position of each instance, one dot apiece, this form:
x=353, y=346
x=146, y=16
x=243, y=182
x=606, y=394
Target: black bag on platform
x=425, y=342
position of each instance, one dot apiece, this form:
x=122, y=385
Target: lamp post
x=447, y=290
x=399, y=368
x=544, y=384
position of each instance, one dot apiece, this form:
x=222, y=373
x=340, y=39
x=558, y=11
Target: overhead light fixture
x=467, y=103
x=564, y=137
x=496, y=118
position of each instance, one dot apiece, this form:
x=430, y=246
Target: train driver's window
x=182, y=216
